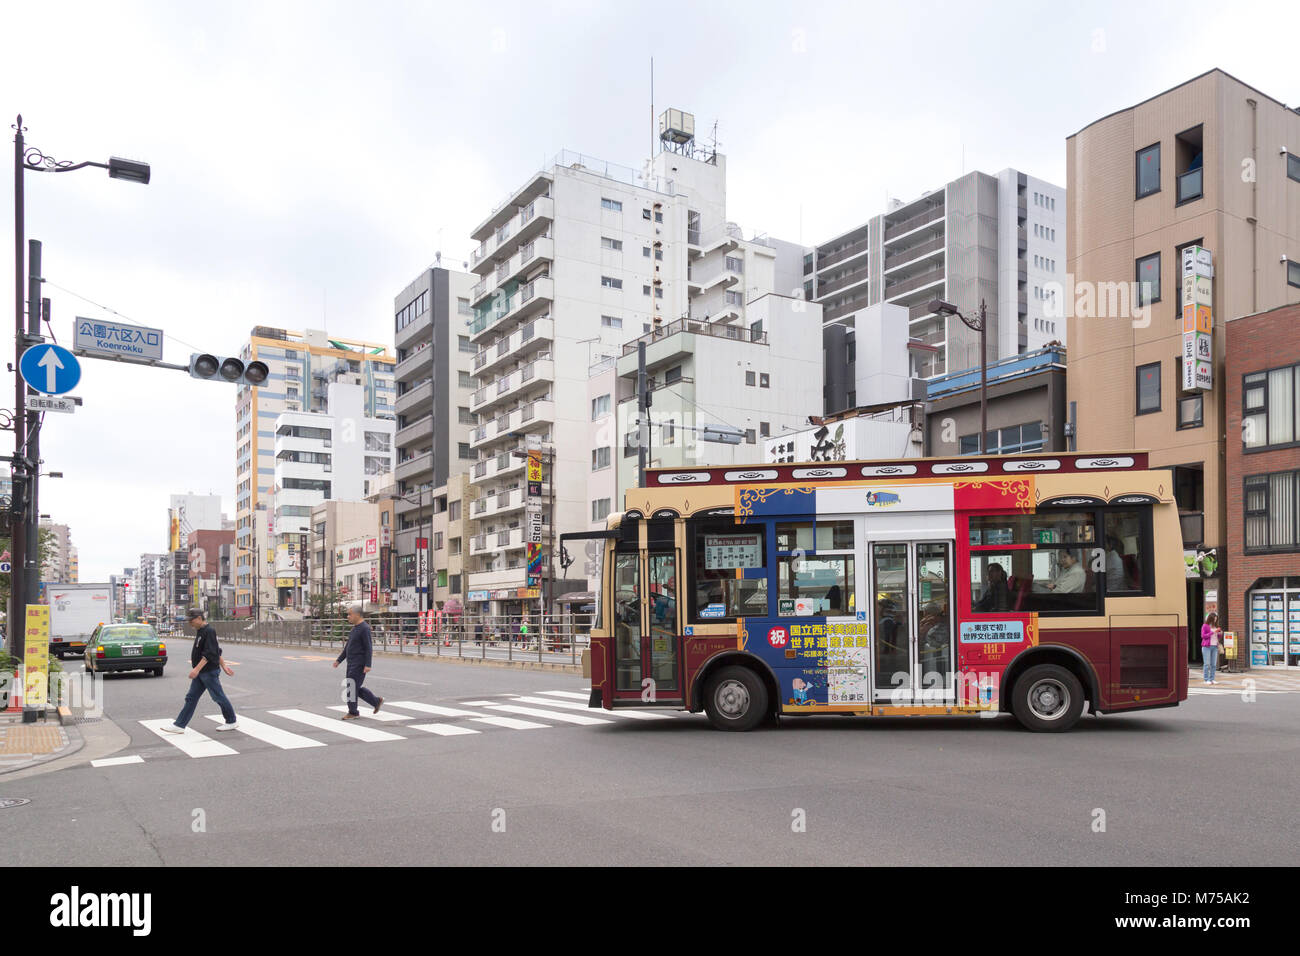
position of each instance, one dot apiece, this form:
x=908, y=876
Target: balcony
x=496, y=249
x=931, y=214
x=419, y=361
x=412, y=431
x=527, y=301
x=415, y=399
x=408, y=469
x=839, y=255
x=843, y=282
x=927, y=278
x=897, y=258
x=508, y=386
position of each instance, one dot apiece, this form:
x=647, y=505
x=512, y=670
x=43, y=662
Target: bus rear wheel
x=735, y=699
x=1047, y=698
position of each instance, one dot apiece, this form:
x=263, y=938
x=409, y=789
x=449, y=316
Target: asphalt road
x=1212, y=782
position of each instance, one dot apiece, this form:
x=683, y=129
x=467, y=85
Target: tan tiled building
x=1212, y=162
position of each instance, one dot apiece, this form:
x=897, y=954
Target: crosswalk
x=295, y=728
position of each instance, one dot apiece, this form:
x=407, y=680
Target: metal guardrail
x=560, y=639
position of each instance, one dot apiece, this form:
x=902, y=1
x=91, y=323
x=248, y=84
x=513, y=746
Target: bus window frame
x=849, y=555
x=1102, y=593
x=719, y=524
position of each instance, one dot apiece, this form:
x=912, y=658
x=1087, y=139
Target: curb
x=75, y=742
x=397, y=655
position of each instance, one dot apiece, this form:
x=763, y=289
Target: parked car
x=125, y=647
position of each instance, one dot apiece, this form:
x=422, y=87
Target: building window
x=463, y=307
x=454, y=583
x=437, y=541
x=645, y=251
x=611, y=322
x=1148, y=388
x=611, y=204
x=749, y=378
x=615, y=244
x=765, y=429
x=1013, y=440
x=659, y=293
x=645, y=213
x=1270, y=512
x=645, y=290
x=735, y=264
x=1293, y=273
x=1148, y=171
x=599, y=458
x=611, y=283
x=734, y=298
x=1148, y=279
x=464, y=380
x=669, y=432
x=673, y=374
x=453, y=510
x=1190, y=411
x=466, y=417
x=600, y=407
x=465, y=345
x=463, y=451
x=1269, y=404
x=659, y=217
x=750, y=437
x=764, y=380
x=1189, y=166
x=599, y=509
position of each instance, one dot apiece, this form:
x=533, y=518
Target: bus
x=1035, y=585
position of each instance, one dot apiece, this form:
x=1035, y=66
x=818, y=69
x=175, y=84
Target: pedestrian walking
x=357, y=652
x=1210, y=633
x=206, y=664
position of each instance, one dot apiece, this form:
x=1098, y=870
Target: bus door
x=913, y=646
x=647, y=632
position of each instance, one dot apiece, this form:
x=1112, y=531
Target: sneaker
x=350, y=717
x=378, y=705
x=172, y=729
x=222, y=727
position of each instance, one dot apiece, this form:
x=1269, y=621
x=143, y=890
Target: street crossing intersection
x=299, y=729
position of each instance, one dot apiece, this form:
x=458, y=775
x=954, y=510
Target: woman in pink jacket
x=1209, y=646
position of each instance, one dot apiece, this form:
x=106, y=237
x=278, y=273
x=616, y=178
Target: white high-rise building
x=584, y=257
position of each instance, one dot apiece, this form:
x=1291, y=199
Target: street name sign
x=135, y=343
x=49, y=368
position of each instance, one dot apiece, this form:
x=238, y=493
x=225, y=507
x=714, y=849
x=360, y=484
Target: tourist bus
x=1031, y=584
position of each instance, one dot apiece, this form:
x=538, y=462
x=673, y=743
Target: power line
x=100, y=305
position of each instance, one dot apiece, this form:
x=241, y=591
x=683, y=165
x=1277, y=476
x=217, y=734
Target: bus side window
x=719, y=550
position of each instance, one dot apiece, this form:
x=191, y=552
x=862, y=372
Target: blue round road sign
x=50, y=369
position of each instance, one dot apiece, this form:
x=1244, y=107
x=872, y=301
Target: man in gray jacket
x=357, y=652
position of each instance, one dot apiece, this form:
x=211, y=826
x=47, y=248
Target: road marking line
x=574, y=705
x=435, y=709
x=550, y=714
x=477, y=703
x=116, y=761
x=284, y=739
x=333, y=724
x=444, y=730
x=510, y=723
x=191, y=743
x=567, y=693
x=343, y=709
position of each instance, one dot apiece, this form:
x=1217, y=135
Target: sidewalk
x=24, y=745
x=1264, y=679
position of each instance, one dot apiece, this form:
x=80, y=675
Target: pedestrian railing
x=560, y=638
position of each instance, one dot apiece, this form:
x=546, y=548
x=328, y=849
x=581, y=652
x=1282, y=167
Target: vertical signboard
x=302, y=558
x=1198, y=319
x=36, y=657
x=421, y=564
x=385, y=568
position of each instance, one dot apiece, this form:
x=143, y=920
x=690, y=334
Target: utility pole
x=642, y=411
x=18, y=539
x=36, y=306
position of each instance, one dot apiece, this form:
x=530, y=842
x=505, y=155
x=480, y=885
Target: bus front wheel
x=736, y=699
x=1047, y=699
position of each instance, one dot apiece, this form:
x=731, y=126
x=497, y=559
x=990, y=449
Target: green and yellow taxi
x=125, y=647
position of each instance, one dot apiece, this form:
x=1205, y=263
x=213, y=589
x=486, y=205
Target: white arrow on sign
x=50, y=362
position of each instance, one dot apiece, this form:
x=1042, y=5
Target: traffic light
x=722, y=434
x=217, y=368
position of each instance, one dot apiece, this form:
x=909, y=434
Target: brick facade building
x=1262, y=372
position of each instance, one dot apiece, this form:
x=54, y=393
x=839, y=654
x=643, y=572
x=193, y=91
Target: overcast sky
x=310, y=158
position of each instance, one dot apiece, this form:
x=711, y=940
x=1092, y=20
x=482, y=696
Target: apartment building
x=434, y=389
x=760, y=380
x=1209, y=165
x=188, y=513
x=583, y=257
x=146, y=583
x=60, y=566
x=302, y=367
x=997, y=238
x=336, y=454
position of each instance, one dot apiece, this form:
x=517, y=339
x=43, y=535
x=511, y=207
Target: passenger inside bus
x=997, y=593
x=1070, y=577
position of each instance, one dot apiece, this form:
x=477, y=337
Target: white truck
x=75, y=611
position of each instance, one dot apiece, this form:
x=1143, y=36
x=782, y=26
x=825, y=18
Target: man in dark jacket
x=357, y=652
x=206, y=663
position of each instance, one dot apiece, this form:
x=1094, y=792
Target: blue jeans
x=1209, y=656
x=211, y=682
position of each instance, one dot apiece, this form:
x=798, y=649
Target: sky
x=310, y=159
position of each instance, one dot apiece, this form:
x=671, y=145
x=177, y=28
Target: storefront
x=1274, y=626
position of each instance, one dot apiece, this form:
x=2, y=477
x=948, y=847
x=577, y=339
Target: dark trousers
x=209, y=681
x=356, y=677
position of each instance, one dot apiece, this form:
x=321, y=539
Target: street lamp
x=24, y=584
x=979, y=325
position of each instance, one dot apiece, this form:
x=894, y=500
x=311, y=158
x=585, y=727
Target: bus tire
x=736, y=699
x=1047, y=698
